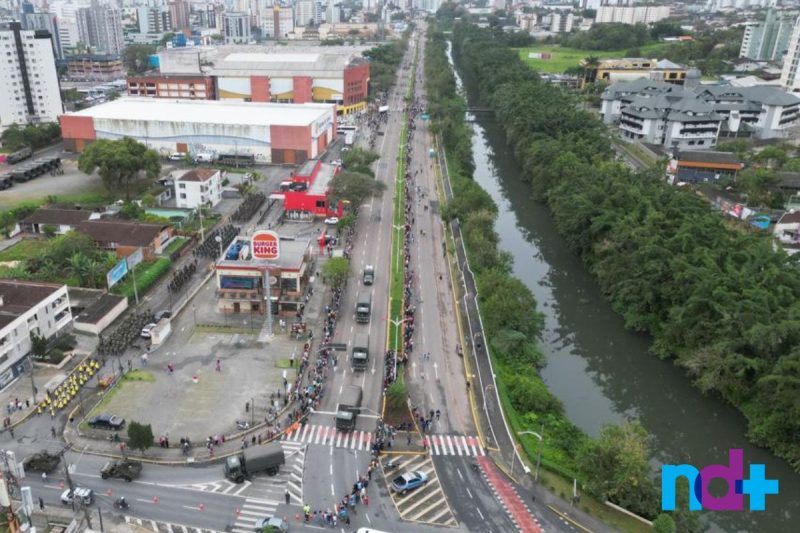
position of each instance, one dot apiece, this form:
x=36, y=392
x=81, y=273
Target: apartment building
x=154, y=19
x=28, y=77
x=28, y=307
x=49, y=22
x=198, y=187
x=100, y=27
x=236, y=27
x=790, y=76
x=768, y=40
x=645, y=14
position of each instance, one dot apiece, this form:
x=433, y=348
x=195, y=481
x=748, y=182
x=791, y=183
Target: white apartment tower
x=790, y=77
x=28, y=80
x=768, y=40
x=236, y=27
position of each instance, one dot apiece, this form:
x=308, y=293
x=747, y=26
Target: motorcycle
x=122, y=504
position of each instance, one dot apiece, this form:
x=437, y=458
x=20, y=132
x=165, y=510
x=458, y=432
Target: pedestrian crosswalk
x=166, y=527
x=327, y=435
x=252, y=510
x=454, y=445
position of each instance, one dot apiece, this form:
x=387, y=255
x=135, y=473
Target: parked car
x=147, y=331
x=162, y=314
x=409, y=481
x=332, y=221
x=125, y=469
x=177, y=156
x=79, y=495
x=271, y=524
x=106, y=421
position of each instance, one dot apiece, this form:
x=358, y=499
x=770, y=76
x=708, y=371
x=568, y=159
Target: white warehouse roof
x=208, y=111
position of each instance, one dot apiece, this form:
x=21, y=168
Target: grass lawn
x=24, y=249
x=564, y=58
x=176, y=244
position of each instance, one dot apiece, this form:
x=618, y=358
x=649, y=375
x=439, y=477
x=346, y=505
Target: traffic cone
x=202, y=507
x=61, y=485
x=108, y=493
x=237, y=511
x=155, y=499
x=297, y=516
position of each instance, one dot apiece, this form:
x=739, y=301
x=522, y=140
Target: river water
x=600, y=371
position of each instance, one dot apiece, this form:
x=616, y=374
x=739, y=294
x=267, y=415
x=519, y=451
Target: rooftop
x=66, y=217
x=17, y=297
x=126, y=233
x=207, y=111
x=702, y=156
x=291, y=257
x=323, y=179
x=198, y=174
x=285, y=61
x=98, y=309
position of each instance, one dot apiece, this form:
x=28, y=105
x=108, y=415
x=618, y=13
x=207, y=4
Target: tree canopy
x=140, y=436
x=136, y=57
x=120, y=163
x=335, y=271
x=355, y=187
x=34, y=136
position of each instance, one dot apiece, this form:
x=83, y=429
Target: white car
x=176, y=156
x=147, y=330
x=332, y=221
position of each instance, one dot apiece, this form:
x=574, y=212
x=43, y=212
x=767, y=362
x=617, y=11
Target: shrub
x=531, y=394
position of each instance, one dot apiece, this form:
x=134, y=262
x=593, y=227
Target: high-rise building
x=236, y=27
x=768, y=40
x=632, y=14
x=45, y=21
x=307, y=12
x=179, y=10
x=278, y=22
x=790, y=77
x=154, y=19
x=28, y=80
x=100, y=27
x=561, y=22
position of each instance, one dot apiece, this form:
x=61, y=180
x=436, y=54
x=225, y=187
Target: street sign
x=116, y=273
x=265, y=245
x=135, y=258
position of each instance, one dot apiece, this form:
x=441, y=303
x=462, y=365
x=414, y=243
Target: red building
x=307, y=195
x=188, y=87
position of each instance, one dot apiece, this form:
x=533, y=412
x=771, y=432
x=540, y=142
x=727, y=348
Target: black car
x=107, y=422
x=162, y=314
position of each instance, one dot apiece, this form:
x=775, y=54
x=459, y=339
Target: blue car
x=409, y=481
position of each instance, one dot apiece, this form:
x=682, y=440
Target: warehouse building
x=271, y=133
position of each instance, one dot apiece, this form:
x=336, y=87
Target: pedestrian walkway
x=454, y=445
x=327, y=435
x=167, y=527
x=506, y=494
x=252, y=510
x=426, y=504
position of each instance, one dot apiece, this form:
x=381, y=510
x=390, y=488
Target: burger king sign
x=265, y=245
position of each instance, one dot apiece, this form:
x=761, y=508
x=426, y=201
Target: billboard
x=135, y=258
x=265, y=245
x=117, y=272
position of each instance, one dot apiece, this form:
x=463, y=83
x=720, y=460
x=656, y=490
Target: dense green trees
x=120, y=163
x=613, y=36
x=722, y=301
x=136, y=57
x=33, y=135
x=383, y=62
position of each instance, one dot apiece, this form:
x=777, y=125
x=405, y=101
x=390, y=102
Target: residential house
x=61, y=220
x=787, y=231
x=28, y=307
x=202, y=186
x=125, y=236
x=702, y=166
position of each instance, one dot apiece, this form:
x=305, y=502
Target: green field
x=564, y=58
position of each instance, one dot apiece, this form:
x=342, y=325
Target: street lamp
x=541, y=445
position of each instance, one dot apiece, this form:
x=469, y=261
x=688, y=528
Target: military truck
x=363, y=307
x=348, y=408
x=43, y=461
x=125, y=469
x=369, y=275
x=267, y=458
x=360, y=354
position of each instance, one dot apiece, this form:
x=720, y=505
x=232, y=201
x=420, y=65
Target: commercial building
x=768, y=40
x=100, y=27
x=276, y=133
x=49, y=22
x=28, y=78
x=631, y=68
x=183, y=87
x=307, y=195
x=645, y=14
x=686, y=166
x=336, y=74
x=154, y=19
x=198, y=187
x=94, y=67
x=695, y=117
x=236, y=27
x=28, y=307
x=240, y=278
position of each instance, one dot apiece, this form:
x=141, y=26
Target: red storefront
x=307, y=195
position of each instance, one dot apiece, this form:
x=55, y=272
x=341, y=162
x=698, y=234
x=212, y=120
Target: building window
x=181, y=185
x=183, y=196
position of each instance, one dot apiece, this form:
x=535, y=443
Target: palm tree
x=80, y=265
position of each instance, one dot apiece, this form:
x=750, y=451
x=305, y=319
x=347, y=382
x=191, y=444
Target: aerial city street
x=399, y=268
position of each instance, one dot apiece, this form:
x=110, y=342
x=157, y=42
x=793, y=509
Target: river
x=602, y=372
